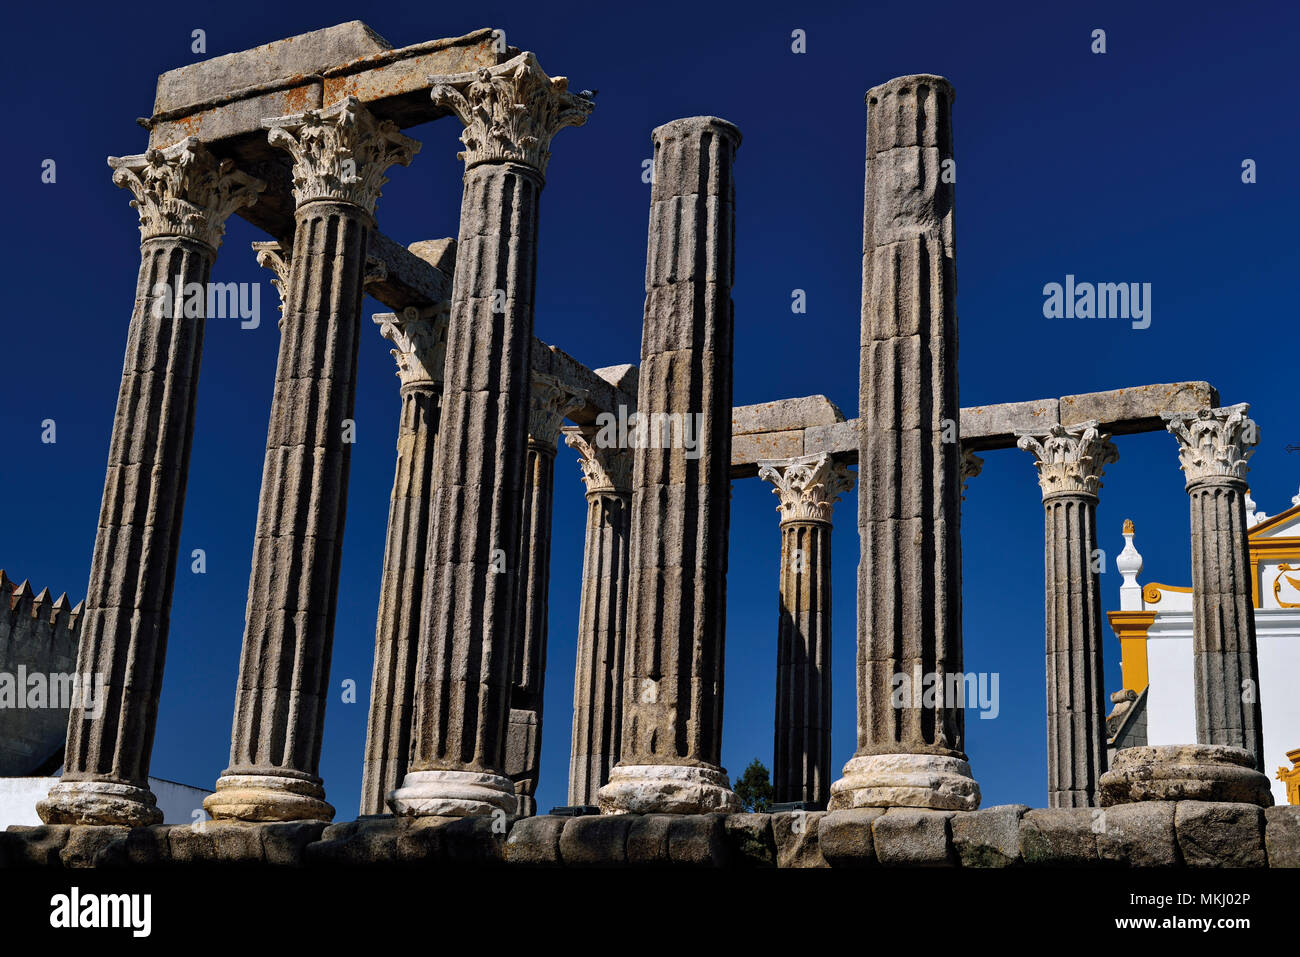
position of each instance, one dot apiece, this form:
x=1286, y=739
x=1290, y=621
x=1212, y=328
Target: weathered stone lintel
x=1193, y=834
x=774, y=430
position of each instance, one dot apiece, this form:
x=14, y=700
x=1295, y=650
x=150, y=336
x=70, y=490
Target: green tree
x=754, y=788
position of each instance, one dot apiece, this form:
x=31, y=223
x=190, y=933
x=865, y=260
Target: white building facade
x=1154, y=627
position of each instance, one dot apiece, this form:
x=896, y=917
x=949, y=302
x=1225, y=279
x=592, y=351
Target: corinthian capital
x=510, y=111
x=184, y=190
x=1214, y=443
x=276, y=257
x=421, y=339
x=808, y=486
x=340, y=153
x=604, y=469
x=549, y=401
x=971, y=466
x=1070, y=459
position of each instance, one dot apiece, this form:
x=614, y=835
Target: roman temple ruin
x=296, y=137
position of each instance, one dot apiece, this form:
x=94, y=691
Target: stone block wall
x=1170, y=834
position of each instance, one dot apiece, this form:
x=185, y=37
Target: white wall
x=1171, y=702
x=18, y=797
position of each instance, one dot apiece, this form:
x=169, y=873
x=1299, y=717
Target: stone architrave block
x=845, y=837
x=1220, y=834
x=1282, y=835
x=39, y=846
x=795, y=834
x=1138, y=835
x=989, y=837
x=535, y=840
x=913, y=837
x=1059, y=836
x=750, y=839
x=86, y=842
x=696, y=840
x=595, y=840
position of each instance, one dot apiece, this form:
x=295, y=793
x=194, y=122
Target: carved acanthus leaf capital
x=277, y=257
x=971, y=466
x=550, y=400
x=420, y=336
x=340, y=153
x=1214, y=443
x=1070, y=459
x=184, y=190
x=808, y=486
x=511, y=111
x=604, y=469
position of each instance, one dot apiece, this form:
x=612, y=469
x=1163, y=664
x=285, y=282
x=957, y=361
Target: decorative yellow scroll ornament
x=1277, y=585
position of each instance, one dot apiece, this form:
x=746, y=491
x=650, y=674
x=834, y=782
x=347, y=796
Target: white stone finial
x=1129, y=564
x=1253, y=515
x=1295, y=499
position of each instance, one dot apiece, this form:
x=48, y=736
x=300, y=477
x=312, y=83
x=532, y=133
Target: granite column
x=681, y=490
x=550, y=400
x=339, y=155
x=1070, y=462
x=465, y=662
x=183, y=195
x=909, y=753
x=1213, y=446
x=602, y=616
x=420, y=340
x=808, y=487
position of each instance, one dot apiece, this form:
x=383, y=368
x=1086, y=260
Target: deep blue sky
x=1117, y=167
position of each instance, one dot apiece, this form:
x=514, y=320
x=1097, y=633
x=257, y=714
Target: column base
x=453, y=794
x=932, y=781
x=267, y=797
x=1184, y=772
x=667, y=789
x=99, y=802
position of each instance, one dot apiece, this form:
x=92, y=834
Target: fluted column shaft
x=1076, y=712
x=673, y=685
x=802, y=739
x=340, y=154
x=524, y=738
x=1214, y=446
x=1071, y=462
x=465, y=663
x=602, y=617
x=184, y=196
x=550, y=400
x=909, y=514
x=420, y=337
x=808, y=488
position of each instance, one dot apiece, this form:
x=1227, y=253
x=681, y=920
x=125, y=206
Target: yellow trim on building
x=1151, y=592
x=1291, y=777
x=1284, y=547
x=1130, y=628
